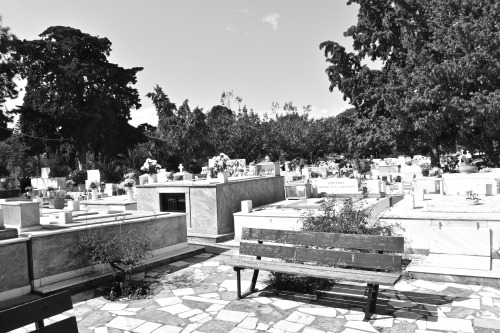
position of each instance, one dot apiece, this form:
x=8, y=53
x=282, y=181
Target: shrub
x=59, y=171
x=345, y=217
x=79, y=176
x=120, y=252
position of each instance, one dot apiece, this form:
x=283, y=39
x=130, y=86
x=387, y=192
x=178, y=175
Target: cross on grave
x=180, y=167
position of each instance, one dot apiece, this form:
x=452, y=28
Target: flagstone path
x=199, y=295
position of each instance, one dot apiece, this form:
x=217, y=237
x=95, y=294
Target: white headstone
x=162, y=177
x=143, y=179
x=181, y=167
x=94, y=175
x=45, y=172
x=374, y=186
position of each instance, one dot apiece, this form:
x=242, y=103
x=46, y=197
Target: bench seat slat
x=324, y=257
x=321, y=239
x=34, y=311
x=313, y=271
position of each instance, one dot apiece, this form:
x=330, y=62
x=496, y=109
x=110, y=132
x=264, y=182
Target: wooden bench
x=38, y=310
x=374, y=269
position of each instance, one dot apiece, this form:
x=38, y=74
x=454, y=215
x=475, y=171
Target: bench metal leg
x=251, y=289
x=238, y=282
x=369, y=302
x=374, y=299
x=39, y=324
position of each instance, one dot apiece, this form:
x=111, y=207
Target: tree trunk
x=82, y=157
x=38, y=164
x=434, y=152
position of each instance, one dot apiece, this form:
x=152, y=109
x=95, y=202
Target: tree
x=220, y=121
x=439, y=82
x=9, y=70
x=247, y=137
x=70, y=80
x=181, y=131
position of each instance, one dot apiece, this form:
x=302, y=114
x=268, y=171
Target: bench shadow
x=400, y=304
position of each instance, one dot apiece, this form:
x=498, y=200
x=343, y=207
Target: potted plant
x=128, y=185
x=472, y=198
x=70, y=185
x=55, y=197
x=79, y=177
x=426, y=167
x=151, y=167
x=94, y=186
x=220, y=166
x=28, y=194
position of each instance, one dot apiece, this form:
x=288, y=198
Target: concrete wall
x=261, y=191
x=53, y=251
x=14, y=274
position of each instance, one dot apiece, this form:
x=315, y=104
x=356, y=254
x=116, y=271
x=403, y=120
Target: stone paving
x=199, y=295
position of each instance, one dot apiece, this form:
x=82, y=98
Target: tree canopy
x=439, y=83
x=87, y=98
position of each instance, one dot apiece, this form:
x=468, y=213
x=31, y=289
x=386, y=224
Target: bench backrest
x=38, y=310
x=307, y=242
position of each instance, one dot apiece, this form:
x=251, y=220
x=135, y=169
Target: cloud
x=243, y=11
x=272, y=19
x=231, y=29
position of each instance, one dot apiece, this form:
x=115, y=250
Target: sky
x=263, y=50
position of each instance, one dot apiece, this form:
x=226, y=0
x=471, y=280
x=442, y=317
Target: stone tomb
x=487, y=183
x=208, y=204
x=23, y=215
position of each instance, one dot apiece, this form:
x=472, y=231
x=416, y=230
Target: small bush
x=120, y=252
x=79, y=176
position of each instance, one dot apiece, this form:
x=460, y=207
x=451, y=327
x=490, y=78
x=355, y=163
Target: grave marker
x=337, y=186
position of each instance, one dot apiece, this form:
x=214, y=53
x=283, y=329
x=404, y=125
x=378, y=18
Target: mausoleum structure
x=208, y=204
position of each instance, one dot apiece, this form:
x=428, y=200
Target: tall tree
x=221, y=121
x=439, y=81
x=9, y=70
x=181, y=131
x=70, y=79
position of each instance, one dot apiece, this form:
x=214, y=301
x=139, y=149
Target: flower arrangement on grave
x=70, y=183
x=53, y=193
x=27, y=194
x=485, y=169
x=472, y=198
x=79, y=176
x=220, y=162
x=435, y=172
x=150, y=167
x=128, y=183
x=425, y=166
x=94, y=185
